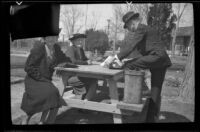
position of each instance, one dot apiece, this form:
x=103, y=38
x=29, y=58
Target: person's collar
x=48, y=51
x=137, y=25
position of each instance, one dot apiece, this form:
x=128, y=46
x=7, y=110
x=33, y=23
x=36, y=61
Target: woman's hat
x=78, y=35
x=129, y=16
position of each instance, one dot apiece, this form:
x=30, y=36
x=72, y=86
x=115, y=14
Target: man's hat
x=128, y=16
x=78, y=35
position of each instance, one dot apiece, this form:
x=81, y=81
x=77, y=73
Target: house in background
x=183, y=39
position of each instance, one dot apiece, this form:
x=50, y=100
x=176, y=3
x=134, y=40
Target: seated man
x=86, y=87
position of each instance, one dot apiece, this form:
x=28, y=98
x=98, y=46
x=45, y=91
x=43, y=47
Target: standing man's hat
x=78, y=35
x=128, y=16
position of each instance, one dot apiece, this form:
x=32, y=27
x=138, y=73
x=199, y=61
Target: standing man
x=145, y=50
x=86, y=87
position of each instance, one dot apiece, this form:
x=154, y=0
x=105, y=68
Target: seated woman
x=40, y=94
x=86, y=87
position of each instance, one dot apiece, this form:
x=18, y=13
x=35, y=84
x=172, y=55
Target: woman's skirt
x=40, y=96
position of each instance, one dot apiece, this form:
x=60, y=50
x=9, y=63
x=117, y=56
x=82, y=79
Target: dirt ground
x=172, y=110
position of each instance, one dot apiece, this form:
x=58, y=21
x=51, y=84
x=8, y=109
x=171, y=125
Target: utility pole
x=115, y=34
x=108, y=32
x=108, y=25
x=85, y=24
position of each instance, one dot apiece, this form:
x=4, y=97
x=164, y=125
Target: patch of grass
x=17, y=61
x=18, y=72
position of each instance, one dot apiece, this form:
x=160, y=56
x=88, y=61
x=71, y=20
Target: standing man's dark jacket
x=76, y=55
x=144, y=41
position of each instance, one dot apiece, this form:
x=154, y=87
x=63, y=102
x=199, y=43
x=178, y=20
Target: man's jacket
x=76, y=55
x=144, y=41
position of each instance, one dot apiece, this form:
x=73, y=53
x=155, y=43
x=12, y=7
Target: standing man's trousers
x=154, y=63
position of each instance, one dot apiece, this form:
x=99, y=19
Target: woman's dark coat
x=40, y=93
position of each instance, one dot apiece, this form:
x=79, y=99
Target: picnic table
x=111, y=76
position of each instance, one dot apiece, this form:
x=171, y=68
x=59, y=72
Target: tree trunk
x=188, y=87
x=174, y=40
x=177, y=26
x=175, y=32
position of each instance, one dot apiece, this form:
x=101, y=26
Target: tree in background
x=70, y=15
x=162, y=18
x=116, y=24
x=96, y=40
x=179, y=15
x=187, y=91
x=94, y=19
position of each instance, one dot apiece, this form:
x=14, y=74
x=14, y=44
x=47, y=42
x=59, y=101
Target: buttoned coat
x=40, y=93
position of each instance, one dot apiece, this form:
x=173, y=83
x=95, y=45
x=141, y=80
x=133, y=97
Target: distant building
x=183, y=37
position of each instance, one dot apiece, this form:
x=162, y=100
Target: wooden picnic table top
x=92, y=69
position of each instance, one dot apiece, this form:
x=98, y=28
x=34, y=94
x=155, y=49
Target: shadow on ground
x=73, y=116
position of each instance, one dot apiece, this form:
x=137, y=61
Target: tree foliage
x=161, y=17
x=96, y=40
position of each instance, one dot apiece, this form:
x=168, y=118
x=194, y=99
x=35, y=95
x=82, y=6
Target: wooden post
x=133, y=86
x=114, y=99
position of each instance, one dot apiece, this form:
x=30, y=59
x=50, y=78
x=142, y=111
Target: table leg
x=117, y=118
x=63, y=82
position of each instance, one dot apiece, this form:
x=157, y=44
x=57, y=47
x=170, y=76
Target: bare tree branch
x=182, y=11
x=94, y=20
x=177, y=26
x=70, y=15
